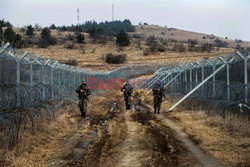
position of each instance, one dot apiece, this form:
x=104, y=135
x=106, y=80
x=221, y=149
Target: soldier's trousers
x=157, y=104
x=83, y=106
x=127, y=101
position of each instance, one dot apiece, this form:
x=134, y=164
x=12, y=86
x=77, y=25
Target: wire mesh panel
x=7, y=70
x=224, y=79
x=26, y=79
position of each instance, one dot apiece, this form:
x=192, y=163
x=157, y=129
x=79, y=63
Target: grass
x=182, y=35
x=49, y=140
x=89, y=54
x=227, y=139
x=38, y=146
x=93, y=60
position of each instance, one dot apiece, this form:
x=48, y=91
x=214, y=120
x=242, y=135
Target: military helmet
x=84, y=81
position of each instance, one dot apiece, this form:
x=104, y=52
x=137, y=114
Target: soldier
x=158, y=92
x=83, y=93
x=127, y=91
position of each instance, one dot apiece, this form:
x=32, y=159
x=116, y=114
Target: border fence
x=26, y=79
x=221, y=83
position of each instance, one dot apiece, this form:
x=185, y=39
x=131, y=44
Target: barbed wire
x=218, y=84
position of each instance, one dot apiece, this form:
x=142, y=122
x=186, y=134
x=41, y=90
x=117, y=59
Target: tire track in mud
x=168, y=150
x=73, y=146
x=205, y=159
x=126, y=138
x=131, y=152
x=135, y=138
x=84, y=144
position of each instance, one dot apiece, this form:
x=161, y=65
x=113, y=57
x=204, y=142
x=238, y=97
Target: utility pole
x=78, y=11
x=113, y=11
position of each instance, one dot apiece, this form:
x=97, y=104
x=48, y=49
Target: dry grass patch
x=89, y=54
x=55, y=140
x=36, y=148
x=228, y=140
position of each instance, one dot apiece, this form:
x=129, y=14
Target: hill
x=183, y=35
x=148, y=45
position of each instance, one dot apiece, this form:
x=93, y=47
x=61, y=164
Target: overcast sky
x=225, y=18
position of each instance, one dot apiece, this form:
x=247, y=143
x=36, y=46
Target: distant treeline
x=105, y=28
x=4, y=23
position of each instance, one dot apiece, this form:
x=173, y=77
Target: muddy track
x=84, y=144
x=202, y=157
x=135, y=137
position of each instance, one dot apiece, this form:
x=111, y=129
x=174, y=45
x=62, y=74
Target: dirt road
x=113, y=136
x=128, y=138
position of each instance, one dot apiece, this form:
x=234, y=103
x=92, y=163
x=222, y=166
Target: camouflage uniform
x=158, y=93
x=83, y=93
x=127, y=91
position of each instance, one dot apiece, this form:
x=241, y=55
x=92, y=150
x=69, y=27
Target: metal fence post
x=60, y=81
x=245, y=80
x=202, y=78
x=74, y=77
x=190, y=79
x=52, y=79
x=185, y=79
x=18, y=79
x=31, y=74
x=43, y=82
x=228, y=82
x=64, y=77
x=213, y=67
x=79, y=76
x=196, y=76
x=198, y=86
x=245, y=75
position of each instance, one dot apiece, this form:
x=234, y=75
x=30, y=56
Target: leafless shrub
x=206, y=47
x=70, y=37
x=137, y=36
x=151, y=40
x=28, y=42
x=146, y=52
x=179, y=47
x=71, y=62
x=23, y=29
x=161, y=48
x=192, y=41
x=120, y=48
x=93, y=50
x=82, y=50
x=220, y=43
x=115, y=59
x=238, y=40
x=138, y=44
x=70, y=45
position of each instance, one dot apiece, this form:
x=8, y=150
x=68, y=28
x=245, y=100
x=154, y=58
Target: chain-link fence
x=222, y=80
x=26, y=79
